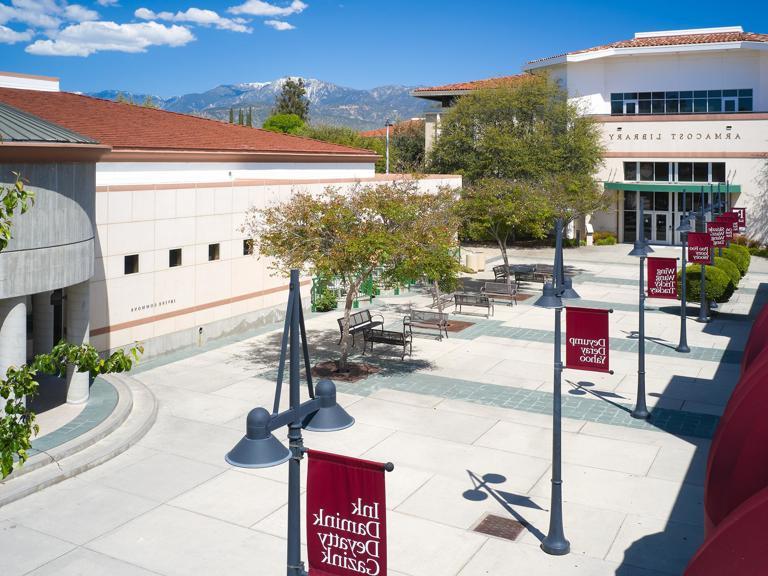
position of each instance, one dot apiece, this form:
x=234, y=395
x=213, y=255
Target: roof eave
x=38, y=152
x=119, y=154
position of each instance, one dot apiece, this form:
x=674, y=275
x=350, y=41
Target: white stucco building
x=167, y=195
x=680, y=110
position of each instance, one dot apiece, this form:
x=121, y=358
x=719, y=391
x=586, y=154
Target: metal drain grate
x=500, y=527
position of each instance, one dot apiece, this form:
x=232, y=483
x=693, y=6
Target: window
x=630, y=171
x=683, y=102
x=213, y=251
x=685, y=172
x=700, y=172
x=718, y=171
x=247, y=247
x=646, y=171
x=174, y=257
x=661, y=171
x=131, y=264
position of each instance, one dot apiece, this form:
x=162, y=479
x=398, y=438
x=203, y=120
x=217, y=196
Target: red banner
x=700, y=248
x=586, y=339
x=742, y=214
x=346, y=516
x=717, y=231
x=662, y=278
x=731, y=218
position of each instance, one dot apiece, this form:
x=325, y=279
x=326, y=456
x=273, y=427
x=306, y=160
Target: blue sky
x=175, y=47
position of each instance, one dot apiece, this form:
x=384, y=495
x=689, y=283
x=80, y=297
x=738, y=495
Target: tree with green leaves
x=231, y=115
x=503, y=208
x=149, y=102
x=292, y=99
x=284, y=123
x=17, y=421
x=240, y=117
x=394, y=228
x=122, y=98
x=346, y=137
x=249, y=118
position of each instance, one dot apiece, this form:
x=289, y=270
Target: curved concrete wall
x=53, y=243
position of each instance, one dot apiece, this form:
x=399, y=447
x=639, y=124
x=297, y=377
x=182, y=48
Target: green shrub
x=729, y=268
x=604, y=238
x=326, y=300
x=285, y=123
x=719, y=286
x=739, y=255
x=761, y=252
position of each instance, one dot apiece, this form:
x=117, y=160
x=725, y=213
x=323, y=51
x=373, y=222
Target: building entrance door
x=658, y=217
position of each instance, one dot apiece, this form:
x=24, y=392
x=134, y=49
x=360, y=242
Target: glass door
x=661, y=228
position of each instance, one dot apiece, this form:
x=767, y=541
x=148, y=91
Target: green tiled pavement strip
x=102, y=402
x=675, y=422
x=498, y=329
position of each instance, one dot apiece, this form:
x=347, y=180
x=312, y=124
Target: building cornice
x=736, y=117
x=39, y=152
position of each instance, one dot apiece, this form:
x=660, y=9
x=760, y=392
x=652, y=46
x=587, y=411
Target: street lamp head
x=641, y=249
x=568, y=292
x=548, y=298
x=685, y=223
x=258, y=448
x=330, y=416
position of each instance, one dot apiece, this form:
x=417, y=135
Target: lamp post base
x=556, y=547
x=704, y=320
x=640, y=413
x=682, y=348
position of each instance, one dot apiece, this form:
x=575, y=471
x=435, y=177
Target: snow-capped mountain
x=329, y=103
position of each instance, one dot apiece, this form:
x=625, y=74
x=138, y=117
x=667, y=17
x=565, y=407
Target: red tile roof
x=130, y=127
x=397, y=127
x=673, y=40
x=474, y=84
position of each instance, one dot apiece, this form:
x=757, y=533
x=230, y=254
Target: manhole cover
x=500, y=527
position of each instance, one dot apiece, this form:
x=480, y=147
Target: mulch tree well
x=355, y=371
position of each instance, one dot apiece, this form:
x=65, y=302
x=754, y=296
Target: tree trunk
x=503, y=247
x=436, y=295
x=341, y=364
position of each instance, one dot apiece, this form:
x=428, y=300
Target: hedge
x=729, y=268
x=719, y=285
x=739, y=255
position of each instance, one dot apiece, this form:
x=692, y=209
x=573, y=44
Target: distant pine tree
x=121, y=98
x=231, y=115
x=240, y=119
x=149, y=103
x=249, y=122
x=292, y=100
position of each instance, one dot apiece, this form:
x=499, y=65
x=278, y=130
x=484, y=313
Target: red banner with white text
x=742, y=214
x=586, y=339
x=731, y=219
x=346, y=516
x=662, y=278
x=700, y=248
x=717, y=231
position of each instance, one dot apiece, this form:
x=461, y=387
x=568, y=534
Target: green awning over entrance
x=666, y=187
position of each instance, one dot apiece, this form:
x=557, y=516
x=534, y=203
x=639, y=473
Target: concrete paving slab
x=23, y=549
x=81, y=561
x=176, y=542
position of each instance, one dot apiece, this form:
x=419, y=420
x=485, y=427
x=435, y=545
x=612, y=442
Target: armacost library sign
x=673, y=136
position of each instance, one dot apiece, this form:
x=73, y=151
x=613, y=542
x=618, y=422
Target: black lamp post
x=683, y=229
x=641, y=250
x=260, y=449
x=701, y=226
x=552, y=296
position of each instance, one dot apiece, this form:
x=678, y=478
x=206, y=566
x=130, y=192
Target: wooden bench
x=427, y=319
x=500, y=273
x=477, y=300
x=443, y=301
x=500, y=291
x=359, y=322
x=404, y=339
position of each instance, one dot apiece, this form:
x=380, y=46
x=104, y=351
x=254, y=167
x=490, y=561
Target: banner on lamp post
x=700, y=248
x=742, y=214
x=662, y=278
x=717, y=231
x=731, y=219
x=346, y=516
x=586, y=339
x=728, y=222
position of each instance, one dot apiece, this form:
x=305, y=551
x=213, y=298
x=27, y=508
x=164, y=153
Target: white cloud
x=8, y=36
x=196, y=16
x=78, y=13
x=106, y=2
x=91, y=37
x=38, y=13
x=260, y=8
x=279, y=25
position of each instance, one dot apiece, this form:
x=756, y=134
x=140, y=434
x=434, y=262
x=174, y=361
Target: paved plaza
x=465, y=420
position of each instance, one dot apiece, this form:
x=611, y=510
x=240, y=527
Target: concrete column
x=13, y=335
x=42, y=323
x=78, y=313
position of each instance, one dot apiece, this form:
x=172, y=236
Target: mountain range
x=329, y=103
